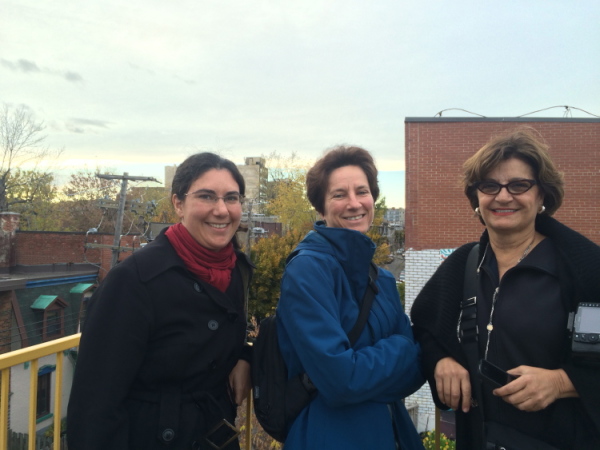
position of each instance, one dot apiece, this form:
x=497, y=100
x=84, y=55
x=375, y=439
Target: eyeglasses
x=514, y=187
x=210, y=198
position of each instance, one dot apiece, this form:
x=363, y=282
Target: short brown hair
x=524, y=144
x=317, y=178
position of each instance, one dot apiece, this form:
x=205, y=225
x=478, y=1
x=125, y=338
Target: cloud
x=73, y=77
x=77, y=125
x=26, y=66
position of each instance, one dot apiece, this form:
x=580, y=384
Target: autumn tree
x=21, y=143
x=84, y=195
x=285, y=191
x=156, y=204
x=269, y=255
x=375, y=233
x=33, y=196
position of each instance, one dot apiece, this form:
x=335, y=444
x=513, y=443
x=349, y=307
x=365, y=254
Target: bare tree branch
x=21, y=142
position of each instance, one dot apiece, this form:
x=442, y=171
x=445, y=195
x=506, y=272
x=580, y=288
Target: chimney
x=9, y=223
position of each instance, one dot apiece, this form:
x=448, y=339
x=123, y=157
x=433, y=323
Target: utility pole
x=248, y=242
x=121, y=209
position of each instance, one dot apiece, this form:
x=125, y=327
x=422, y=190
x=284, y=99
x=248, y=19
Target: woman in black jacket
x=163, y=361
x=531, y=272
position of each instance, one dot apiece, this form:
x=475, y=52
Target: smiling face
x=348, y=200
x=211, y=224
x=505, y=213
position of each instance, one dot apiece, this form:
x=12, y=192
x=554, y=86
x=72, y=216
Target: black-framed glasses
x=210, y=198
x=514, y=187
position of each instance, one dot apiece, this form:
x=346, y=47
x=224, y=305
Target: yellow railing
x=32, y=355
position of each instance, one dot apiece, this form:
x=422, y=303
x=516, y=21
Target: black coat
x=437, y=307
x=156, y=351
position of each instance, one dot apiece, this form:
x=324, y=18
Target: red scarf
x=210, y=266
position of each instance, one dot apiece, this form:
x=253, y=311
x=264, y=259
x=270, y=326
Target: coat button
x=168, y=434
x=197, y=287
x=213, y=325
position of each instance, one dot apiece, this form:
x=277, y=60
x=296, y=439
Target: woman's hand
x=536, y=388
x=453, y=384
x=239, y=380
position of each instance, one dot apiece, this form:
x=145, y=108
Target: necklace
x=526, y=252
x=490, y=325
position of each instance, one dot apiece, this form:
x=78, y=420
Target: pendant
x=490, y=327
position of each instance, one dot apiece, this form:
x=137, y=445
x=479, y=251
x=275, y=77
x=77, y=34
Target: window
x=53, y=316
x=54, y=323
x=43, y=395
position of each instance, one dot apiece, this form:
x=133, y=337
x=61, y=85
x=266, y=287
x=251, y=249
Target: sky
x=134, y=86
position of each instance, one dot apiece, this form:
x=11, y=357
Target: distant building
x=394, y=215
x=254, y=173
x=169, y=175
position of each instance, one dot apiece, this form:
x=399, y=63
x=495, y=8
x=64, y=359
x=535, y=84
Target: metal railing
x=32, y=355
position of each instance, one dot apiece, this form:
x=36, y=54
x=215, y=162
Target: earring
x=542, y=209
x=477, y=211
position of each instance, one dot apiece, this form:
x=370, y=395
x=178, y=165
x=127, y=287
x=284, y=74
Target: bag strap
x=365, y=308
x=468, y=337
x=467, y=322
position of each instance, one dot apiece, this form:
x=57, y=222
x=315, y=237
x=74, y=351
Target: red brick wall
x=35, y=248
x=438, y=214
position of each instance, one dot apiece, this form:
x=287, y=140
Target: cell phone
x=494, y=374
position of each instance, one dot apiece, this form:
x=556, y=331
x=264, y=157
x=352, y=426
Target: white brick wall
x=419, y=267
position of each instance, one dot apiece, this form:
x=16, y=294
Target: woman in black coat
x=162, y=361
x=530, y=273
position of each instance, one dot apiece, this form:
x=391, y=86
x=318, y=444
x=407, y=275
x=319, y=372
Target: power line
x=568, y=111
x=457, y=109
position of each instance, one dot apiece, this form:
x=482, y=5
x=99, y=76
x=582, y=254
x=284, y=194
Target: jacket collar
x=352, y=249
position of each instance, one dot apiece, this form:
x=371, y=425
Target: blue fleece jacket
x=360, y=389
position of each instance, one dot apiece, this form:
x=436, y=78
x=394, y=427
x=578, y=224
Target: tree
x=21, y=142
x=85, y=194
x=285, y=192
x=383, y=248
x=33, y=196
x=269, y=255
x=160, y=198
x=399, y=238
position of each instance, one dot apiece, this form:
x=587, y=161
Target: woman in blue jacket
x=361, y=388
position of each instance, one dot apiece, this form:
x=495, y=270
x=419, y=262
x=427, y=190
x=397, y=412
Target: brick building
x=438, y=215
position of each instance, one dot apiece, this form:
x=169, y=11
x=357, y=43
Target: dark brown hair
x=197, y=165
x=317, y=178
x=524, y=144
